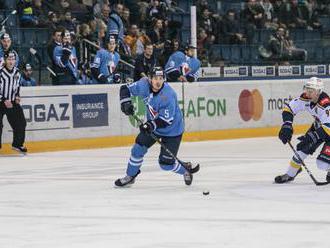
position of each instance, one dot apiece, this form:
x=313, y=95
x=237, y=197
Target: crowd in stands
x=145, y=33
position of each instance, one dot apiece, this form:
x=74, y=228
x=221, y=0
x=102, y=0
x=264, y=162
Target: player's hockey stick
x=191, y=170
x=305, y=167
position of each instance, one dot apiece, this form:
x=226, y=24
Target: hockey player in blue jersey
x=66, y=60
x=105, y=63
x=183, y=66
x=164, y=119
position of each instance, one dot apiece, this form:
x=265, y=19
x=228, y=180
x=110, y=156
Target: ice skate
x=21, y=149
x=328, y=177
x=127, y=180
x=285, y=178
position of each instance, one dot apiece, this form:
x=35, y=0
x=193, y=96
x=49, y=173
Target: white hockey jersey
x=320, y=110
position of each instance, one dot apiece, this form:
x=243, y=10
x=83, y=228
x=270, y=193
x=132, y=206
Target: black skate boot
x=20, y=149
x=328, y=177
x=285, y=178
x=188, y=176
x=121, y=182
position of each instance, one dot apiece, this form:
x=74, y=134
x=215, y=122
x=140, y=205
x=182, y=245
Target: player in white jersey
x=317, y=103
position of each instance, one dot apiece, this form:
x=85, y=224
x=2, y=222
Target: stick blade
x=194, y=169
x=322, y=183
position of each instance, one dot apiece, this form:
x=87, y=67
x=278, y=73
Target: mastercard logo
x=250, y=105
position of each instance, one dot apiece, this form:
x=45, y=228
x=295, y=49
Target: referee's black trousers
x=16, y=119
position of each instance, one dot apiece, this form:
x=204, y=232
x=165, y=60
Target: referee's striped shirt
x=9, y=84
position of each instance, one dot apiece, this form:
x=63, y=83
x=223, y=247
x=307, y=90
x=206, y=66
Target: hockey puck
x=206, y=192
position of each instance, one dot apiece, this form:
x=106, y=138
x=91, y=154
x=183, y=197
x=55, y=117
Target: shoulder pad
x=324, y=100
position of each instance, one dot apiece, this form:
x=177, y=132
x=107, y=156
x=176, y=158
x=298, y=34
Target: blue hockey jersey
x=27, y=81
x=106, y=63
x=115, y=26
x=2, y=59
x=71, y=64
x=163, y=104
x=186, y=65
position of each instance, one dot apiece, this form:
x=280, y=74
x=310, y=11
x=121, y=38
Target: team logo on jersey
x=111, y=67
x=326, y=150
x=185, y=68
x=250, y=105
x=152, y=112
x=324, y=101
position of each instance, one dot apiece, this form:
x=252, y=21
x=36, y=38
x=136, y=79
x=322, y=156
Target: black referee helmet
x=9, y=54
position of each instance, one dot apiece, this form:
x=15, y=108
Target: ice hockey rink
x=67, y=199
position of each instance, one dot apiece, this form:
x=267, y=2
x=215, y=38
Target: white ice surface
x=67, y=199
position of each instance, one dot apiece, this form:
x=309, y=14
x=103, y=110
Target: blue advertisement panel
x=90, y=110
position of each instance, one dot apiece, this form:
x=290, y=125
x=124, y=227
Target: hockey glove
x=286, y=132
x=127, y=108
x=116, y=78
x=307, y=142
x=148, y=127
x=103, y=79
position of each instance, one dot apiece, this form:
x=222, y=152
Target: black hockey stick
x=305, y=167
x=191, y=170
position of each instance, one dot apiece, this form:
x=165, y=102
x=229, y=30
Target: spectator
x=183, y=66
x=290, y=17
x=230, y=30
x=281, y=48
x=55, y=41
x=141, y=42
x=27, y=79
x=207, y=22
x=203, y=45
x=157, y=36
x=132, y=38
x=115, y=26
x=156, y=10
x=53, y=21
x=6, y=45
x=310, y=14
x=27, y=17
x=105, y=12
x=253, y=17
x=68, y=22
x=291, y=51
x=144, y=63
x=41, y=13
x=269, y=14
x=170, y=47
x=125, y=18
x=105, y=64
x=85, y=32
x=66, y=61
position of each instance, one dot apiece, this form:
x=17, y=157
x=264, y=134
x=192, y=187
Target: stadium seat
x=225, y=52
x=16, y=36
x=29, y=37
x=311, y=35
x=246, y=54
x=235, y=56
x=42, y=36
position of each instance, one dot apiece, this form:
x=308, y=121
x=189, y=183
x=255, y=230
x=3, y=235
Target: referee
x=10, y=99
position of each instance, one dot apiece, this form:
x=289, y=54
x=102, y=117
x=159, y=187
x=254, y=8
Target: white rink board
x=51, y=111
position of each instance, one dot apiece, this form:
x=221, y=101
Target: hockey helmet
x=156, y=71
x=314, y=83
